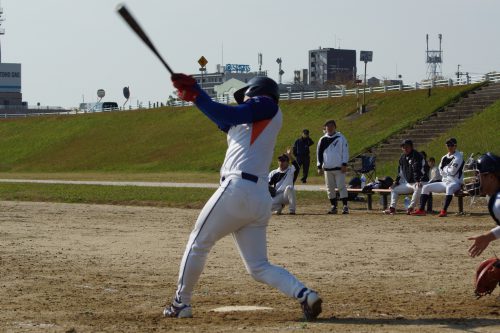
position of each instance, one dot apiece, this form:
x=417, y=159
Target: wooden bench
x=385, y=193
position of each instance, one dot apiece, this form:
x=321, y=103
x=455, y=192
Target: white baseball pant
x=335, y=179
x=406, y=188
x=441, y=187
x=241, y=208
x=285, y=198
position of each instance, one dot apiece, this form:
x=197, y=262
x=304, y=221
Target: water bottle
x=363, y=180
x=407, y=202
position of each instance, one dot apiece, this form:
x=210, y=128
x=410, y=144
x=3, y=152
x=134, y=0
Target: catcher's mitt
x=487, y=276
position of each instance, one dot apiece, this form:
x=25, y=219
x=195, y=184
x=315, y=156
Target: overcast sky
x=71, y=48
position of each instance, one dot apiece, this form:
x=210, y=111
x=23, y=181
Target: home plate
x=241, y=308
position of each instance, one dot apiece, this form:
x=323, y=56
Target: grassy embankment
x=180, y=145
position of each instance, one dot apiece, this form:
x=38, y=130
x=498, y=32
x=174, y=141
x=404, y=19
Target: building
x=329, y=66
x=208, y=81
x=10, y=85
x=373, y=82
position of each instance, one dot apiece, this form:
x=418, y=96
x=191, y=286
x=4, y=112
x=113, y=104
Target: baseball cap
x=283, y=158
x=406, y=142
x=330, y=122
x=451, y=141
x=305, y=131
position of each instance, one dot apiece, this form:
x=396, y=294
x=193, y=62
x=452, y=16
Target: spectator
x=451, y=168
x=281, y=181
x=301, y=152
x=410, y=177
x=488, y=167
x=434, y=174
x=333, y=155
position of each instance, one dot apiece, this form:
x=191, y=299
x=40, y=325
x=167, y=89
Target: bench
x=385, y=193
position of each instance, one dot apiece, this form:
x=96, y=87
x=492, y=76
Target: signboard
x=234, y=68
x=10, y=77
x=203, y=61
x=366, y=56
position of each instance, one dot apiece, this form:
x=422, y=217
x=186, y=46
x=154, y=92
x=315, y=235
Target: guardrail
x=492, y=77
x=227, y=99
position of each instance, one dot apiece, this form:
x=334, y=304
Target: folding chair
x=367, y=167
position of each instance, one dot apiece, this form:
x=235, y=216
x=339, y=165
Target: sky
x=71, y=48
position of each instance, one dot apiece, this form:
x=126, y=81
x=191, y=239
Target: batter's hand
x=186, y=87
x=480, y=243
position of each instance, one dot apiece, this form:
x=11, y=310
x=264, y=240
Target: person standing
x=451, y=169
x=333, y=155
x=302, y=154
x=410, y=179
x=241, y=206
x=488, y=168
x=281, y=181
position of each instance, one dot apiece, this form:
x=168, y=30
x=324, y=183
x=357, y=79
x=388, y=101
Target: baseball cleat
x=442, y=213
x=310, y=304
x=419, y=212
x=409, y=211
x=333, y=210
x=345, y=210
x=390, y=211
x=178, y=310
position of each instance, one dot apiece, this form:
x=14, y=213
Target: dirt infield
x=87, y=268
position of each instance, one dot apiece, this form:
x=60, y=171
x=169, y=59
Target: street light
x=365, y=56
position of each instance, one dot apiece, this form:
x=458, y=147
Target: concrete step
x=432, y=127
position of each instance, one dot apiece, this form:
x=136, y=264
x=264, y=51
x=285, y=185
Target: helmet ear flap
x=239, y=95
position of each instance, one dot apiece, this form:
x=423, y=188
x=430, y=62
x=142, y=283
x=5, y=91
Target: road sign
x=203, y=61
x=366, y=56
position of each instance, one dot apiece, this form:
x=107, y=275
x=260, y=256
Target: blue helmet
x=258, y=86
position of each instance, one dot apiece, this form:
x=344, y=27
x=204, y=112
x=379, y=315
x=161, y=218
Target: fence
x=227, y=99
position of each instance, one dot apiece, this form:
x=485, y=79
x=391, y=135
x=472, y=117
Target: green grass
x=122, y=195
x=183, y=140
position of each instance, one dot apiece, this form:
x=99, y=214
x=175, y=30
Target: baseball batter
x=451, y=169
x=281, y=180
x=241, y=206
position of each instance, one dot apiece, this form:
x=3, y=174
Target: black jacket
x=301, y=146
x=411, y=166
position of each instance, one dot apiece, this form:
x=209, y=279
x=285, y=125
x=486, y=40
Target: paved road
x=144, y=184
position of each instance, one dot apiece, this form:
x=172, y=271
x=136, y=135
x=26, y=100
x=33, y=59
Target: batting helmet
x=258, y=86
x=488, y=163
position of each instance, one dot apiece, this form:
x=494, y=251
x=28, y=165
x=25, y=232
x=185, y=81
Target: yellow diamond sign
x=203, y=61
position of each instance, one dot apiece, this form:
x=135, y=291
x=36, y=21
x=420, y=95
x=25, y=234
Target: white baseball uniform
x=332, y=153
x=283, y=182
x=451, y=169
x=241, y=206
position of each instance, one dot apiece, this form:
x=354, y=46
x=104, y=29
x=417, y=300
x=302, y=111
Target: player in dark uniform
x=488, y=168
x=302, y=153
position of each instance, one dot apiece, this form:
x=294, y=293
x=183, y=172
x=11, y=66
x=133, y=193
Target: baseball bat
x=132, y=22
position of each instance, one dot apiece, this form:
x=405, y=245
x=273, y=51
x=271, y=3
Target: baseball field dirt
x=103, y=268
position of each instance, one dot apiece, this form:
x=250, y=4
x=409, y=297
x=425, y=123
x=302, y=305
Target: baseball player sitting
x=411, y=177
x=241, y=206
x=451, y=169
x=281, y=181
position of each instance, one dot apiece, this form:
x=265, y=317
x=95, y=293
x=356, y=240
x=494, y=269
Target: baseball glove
x=487, y=276
x=272, y=191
